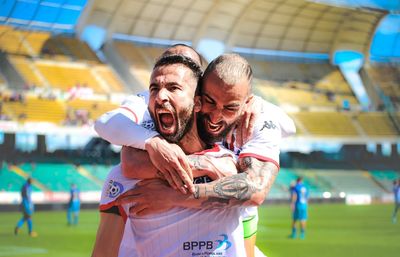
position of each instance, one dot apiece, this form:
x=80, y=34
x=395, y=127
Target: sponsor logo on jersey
x=208, y=248
x=268, y=124
x=114, y=189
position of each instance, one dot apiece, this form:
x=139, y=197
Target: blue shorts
x=74, y=207
x=27, y=208
x=300, y=213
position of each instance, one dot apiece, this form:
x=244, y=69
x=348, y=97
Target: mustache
x=166, y=106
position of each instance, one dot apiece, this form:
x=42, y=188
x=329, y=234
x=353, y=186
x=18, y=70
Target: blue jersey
x=74, y=201
x=396, y=192
x=302, y=195
x=26, y=194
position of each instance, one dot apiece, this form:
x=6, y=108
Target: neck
x=191, y=142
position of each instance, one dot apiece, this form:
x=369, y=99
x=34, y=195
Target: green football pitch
x=333, y=230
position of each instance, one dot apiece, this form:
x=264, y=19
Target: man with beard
x=171, y=105
x=225, y=92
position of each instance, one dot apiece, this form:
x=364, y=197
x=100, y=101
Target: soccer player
x=27, y=208
x=74, y=206
x=396, y=193
x=268, y=132
x=179, y=231
x=299, y=207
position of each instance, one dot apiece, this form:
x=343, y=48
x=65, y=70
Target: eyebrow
x=226, y=106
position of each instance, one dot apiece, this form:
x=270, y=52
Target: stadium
x=332, y=65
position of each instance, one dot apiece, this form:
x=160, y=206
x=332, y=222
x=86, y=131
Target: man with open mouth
x=224, y=98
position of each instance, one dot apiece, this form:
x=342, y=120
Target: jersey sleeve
x=124, y=125
x=114, y=186
x=271, y=126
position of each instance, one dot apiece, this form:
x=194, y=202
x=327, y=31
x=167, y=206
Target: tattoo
x=251, y=185
x=196, y=193
x=234, y=187
x=195, y=161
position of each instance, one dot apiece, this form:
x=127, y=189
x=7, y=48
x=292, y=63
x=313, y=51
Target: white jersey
x=121, y=127
x=179, y=231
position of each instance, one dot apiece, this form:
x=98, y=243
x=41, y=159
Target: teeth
x=213, y=127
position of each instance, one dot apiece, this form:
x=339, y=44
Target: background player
x=299, y=207
x=396, y=192
x=74, y=206
x=27, y=208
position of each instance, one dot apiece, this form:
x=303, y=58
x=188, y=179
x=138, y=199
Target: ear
x=249, y=98
x=197, y=103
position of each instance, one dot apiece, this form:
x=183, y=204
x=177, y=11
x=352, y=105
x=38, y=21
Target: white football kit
x=271, y=126
x=180, y=231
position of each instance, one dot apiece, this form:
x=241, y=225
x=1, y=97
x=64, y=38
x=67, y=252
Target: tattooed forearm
x=236, y=186
x=250, y=187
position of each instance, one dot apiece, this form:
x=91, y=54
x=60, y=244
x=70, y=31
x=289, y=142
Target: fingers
x=250, y=127
x=137, y=209
x=187, y=174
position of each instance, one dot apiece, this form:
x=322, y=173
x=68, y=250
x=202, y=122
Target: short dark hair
x=180, y=59
x=168, y=52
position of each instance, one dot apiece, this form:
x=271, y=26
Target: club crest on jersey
x=148, y=124
x=114, y=189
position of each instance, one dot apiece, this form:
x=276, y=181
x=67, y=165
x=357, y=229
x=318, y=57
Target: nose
x=162, y=96
x=216, y=116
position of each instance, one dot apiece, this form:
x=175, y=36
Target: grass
x=333, y=230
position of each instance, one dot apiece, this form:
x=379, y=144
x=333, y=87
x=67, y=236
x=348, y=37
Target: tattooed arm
x=248, y=188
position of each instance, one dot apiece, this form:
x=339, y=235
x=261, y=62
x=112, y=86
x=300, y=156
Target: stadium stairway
x=20, y=172
x=85, y=173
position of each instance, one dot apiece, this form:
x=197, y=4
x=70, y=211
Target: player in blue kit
x=74, y=206
x=396, y=192
x=27, y=208
x=299, y=206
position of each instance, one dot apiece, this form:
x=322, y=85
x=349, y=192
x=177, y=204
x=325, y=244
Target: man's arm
x=109, y=235
x=250, y=187
x=136, y=164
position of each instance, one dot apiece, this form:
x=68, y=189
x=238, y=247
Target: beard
x=210, y=138
x=184, y=120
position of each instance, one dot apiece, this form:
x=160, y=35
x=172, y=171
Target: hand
x=149, y=196
x=245, y=126
x=171, y=162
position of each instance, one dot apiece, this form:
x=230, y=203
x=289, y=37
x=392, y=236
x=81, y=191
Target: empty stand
x=95, y=108
x=376, y=124
x=385, y=178
x=10, y=181
x=350, y=182
x=59, y=177
x=327, y=123
x=35, y=109
x=113, y=82
x=67, y=75
x=27, y=70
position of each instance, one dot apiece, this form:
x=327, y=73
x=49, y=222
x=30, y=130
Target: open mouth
x=214, y=127
x=166, y=119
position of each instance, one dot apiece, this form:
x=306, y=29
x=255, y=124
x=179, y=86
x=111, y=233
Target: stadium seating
x=67, y=75
x=327, y=123
x=115, y=85
x=386, y=78
x=376, y=124
x=9, y=181
x=58, y=177
x=385, y=178
x=95, y=108
x=350, y=182
x=35, y=109
x=99, y=171
x=28, y=70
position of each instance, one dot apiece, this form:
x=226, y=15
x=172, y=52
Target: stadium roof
x=283, y=25
x=61, y=15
